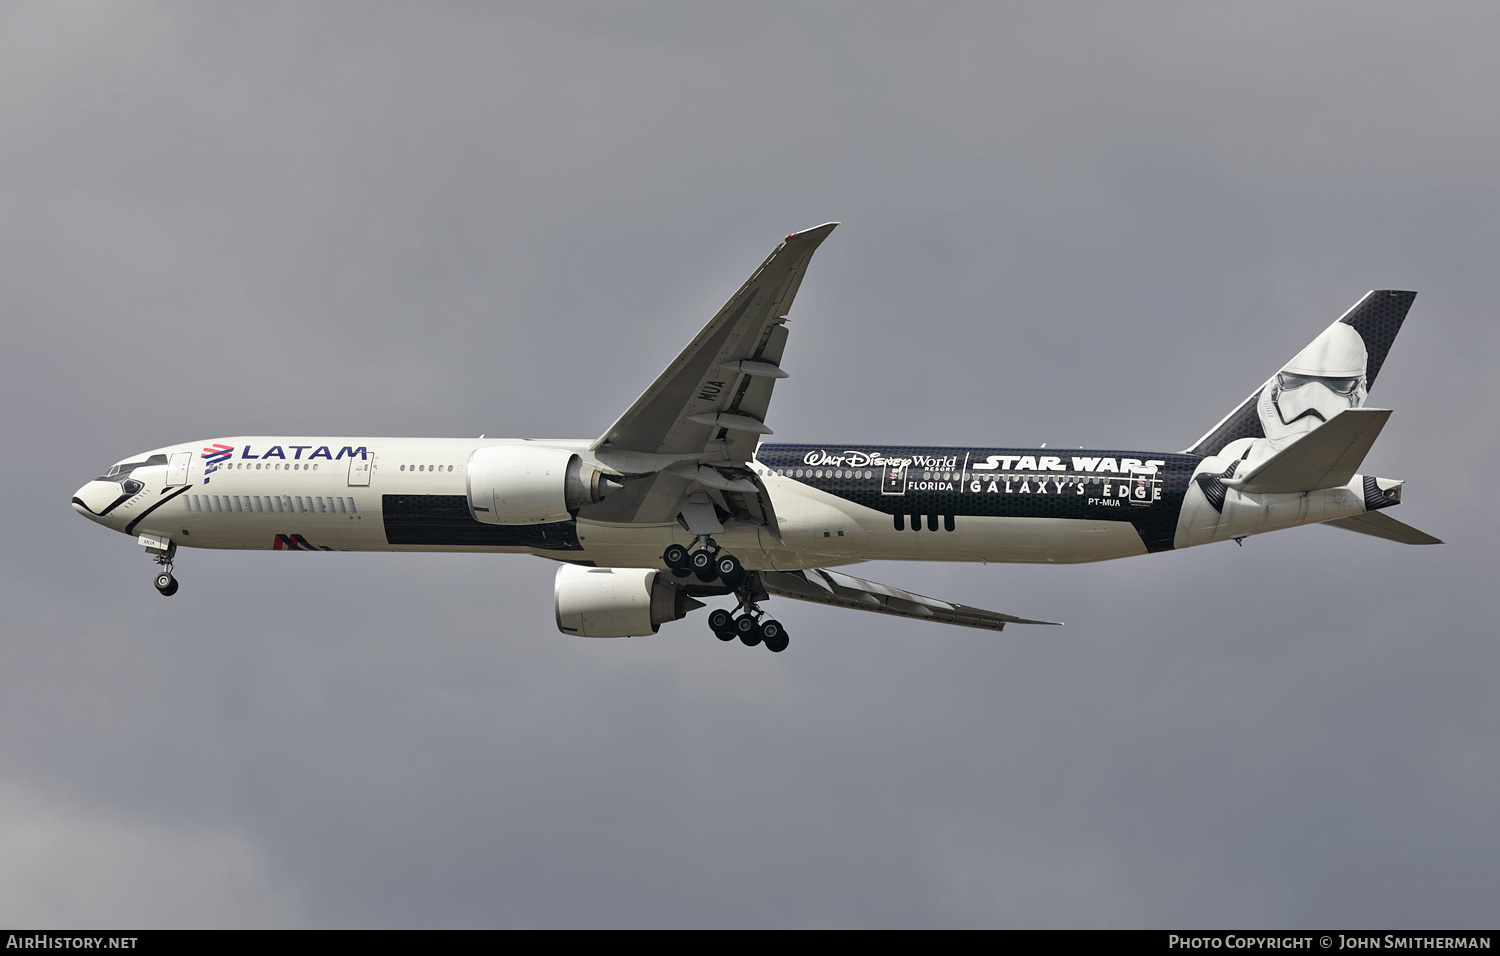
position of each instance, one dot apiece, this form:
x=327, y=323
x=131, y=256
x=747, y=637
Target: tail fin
x=1335, y=371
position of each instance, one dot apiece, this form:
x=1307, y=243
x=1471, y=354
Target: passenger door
x=177, y=468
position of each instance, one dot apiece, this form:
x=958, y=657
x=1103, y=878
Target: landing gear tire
x=166, y=584
x=747, y=629
x=702, y=563
x=721, y=622
x=730, y=571
x=675, y=557
x=774, y=636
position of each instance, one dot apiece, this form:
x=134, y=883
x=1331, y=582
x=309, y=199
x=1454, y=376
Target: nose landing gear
x=162, y=551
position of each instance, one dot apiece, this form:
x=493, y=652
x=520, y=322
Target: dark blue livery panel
x=934, y=486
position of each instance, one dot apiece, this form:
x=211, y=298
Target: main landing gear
x=747, y=622
x=751, y=627
x=705, y=561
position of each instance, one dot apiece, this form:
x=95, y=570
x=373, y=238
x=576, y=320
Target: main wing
x=822, y=586
x=683, y=447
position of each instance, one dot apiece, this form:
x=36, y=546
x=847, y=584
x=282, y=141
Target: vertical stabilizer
x=1334, y=372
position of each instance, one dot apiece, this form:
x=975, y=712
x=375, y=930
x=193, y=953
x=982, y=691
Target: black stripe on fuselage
x=1023, y=482
x=437, y=520
x=130, y=528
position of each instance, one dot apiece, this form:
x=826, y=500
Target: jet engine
x=531, y=484
x=616, y=602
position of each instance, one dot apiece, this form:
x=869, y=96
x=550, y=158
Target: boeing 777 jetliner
x=679, y=499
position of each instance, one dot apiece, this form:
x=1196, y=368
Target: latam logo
x=321, y=451
x=295, y=542
x=213, y=456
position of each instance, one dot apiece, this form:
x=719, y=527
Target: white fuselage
x=335, y=494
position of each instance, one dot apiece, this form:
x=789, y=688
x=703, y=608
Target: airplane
x=681, y=499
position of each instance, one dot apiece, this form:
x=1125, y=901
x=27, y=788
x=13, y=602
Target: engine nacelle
x=616, y=602
x=531, y=484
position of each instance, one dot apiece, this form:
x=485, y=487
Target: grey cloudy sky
x=1085, y=224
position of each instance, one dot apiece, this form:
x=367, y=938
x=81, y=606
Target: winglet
x=816, y=234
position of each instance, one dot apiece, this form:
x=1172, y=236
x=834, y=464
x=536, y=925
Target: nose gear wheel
x=165, y=583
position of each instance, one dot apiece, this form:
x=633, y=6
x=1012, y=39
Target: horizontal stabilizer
x=1326, y=457
x=1380, y=525
x=843, y=590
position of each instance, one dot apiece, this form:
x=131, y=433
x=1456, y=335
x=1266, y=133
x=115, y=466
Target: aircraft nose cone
x=94, y=498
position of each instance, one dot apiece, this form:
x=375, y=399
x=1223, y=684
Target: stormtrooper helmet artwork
x=1322, y=380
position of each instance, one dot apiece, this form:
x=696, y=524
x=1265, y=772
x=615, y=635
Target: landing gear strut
x=163, y=555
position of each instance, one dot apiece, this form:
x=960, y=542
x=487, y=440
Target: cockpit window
x=124, y=468
x=121, y=471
